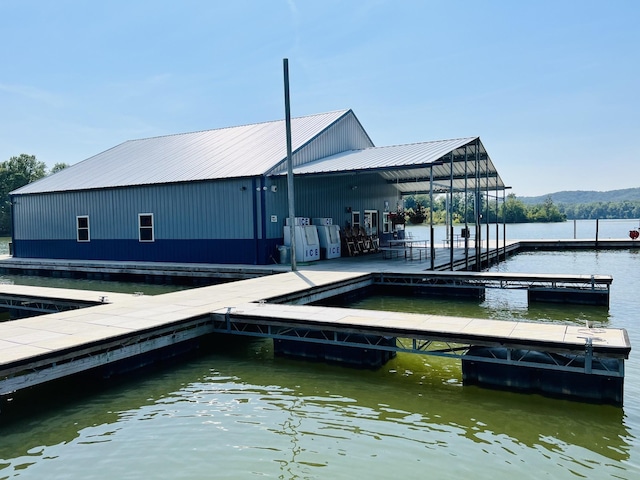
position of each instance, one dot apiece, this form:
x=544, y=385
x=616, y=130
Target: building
x=220, y=196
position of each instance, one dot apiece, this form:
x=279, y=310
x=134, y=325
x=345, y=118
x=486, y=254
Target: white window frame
x=356, y=219
x=79, y=229
x=146, y=227
x=371, y=222
x=386, y=224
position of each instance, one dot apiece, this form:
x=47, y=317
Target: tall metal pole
x=432, y=237
x=466, y=211
x=292, y=211
x=450, y=214
x=497, y=223
x=478, y=206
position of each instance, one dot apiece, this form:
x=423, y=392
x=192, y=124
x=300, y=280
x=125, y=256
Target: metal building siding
x=331, y=196
x=327, y=197
x=344, y=135
x=196, y=210
x=44, y=217
x=276, y=203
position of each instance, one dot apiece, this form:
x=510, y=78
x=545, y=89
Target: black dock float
x=599, y=298
x=538, y=372
x=359, y=357
x=575, y=289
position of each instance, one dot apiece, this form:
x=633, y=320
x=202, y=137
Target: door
x=371, y=222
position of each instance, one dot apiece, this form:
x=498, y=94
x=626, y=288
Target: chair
x=367, y=245
x=349, y=243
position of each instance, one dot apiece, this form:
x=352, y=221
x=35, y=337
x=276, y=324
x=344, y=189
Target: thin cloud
x=33, y=93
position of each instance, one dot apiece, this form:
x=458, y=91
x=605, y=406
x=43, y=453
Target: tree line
x=15, y=173
x=514, y=210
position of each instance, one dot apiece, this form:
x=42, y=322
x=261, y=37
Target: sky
x=550, y=87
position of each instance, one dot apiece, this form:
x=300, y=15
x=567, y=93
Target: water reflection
x=90, y=284
x=238, y=412
x=498, y=305
x=291, y=413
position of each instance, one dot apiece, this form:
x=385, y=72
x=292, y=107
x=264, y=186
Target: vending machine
x=329, y=237
x=307, y=243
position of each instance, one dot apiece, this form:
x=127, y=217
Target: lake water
x=238, y=412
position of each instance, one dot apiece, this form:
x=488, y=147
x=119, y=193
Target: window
x=145, y=224
x=371, y=222
x=355, y=219
x=385, y=222
x=82, y=228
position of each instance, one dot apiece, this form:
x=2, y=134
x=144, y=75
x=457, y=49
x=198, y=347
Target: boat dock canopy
x=458, y=165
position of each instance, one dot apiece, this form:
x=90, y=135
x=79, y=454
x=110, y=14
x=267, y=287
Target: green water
x=93, y=285
x=238, y=412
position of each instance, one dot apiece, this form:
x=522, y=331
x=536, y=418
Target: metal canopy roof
x=409, y=167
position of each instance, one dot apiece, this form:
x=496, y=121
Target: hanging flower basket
x=417, y=219
x=418, y=215
x=397, y=218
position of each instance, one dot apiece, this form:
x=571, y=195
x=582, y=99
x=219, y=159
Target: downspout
x=13, y=225
x=255, y=189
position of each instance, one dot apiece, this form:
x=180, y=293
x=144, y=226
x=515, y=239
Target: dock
x=24, y=298
x=122, y=332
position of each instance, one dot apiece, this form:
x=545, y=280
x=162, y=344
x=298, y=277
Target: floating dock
x=560, y=360
x=121, y=332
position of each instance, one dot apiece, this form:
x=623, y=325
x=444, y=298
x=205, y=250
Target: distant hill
x=580, y=196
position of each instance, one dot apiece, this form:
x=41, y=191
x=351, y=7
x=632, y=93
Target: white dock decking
x=553, y=337
x=39, y=345
x=29, y=338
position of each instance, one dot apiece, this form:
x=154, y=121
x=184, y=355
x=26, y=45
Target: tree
x=15, y=173
x=514, y=210
x=57, y=167
x=547, y=212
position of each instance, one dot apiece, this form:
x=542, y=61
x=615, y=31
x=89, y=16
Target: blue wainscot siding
x=247, y=252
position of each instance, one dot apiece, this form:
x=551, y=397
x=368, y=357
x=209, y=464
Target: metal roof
x=233, y=152
x=409, y=166
x=258, y=149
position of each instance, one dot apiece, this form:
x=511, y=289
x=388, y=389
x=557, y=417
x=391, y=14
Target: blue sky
x=551, y=87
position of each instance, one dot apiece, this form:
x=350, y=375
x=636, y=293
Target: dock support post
x=227, y=317
x=451, y=247
x=588, y=355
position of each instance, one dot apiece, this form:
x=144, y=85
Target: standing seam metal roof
x=375, y=158
x=407, y=166
x=232, y=152
x=254, y=150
